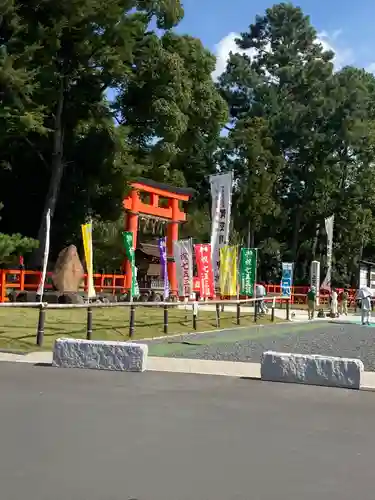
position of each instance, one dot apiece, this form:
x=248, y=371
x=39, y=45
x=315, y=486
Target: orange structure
x=19, y=280
x=157, y=201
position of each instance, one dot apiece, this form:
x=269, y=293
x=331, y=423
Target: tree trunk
x=250, y=235
x=296, y=228
x=315, y=241
x=362, y=245
x=57, y=171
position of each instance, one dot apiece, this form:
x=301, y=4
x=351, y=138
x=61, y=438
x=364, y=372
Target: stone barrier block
x=311, y=369
x=100, y=355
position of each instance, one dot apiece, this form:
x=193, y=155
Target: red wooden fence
x=20, y=280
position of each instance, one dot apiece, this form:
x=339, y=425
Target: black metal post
x=273, y=310
x=256, y=307
x=165, y=319
x=238, y=313
x=194, y=320
x=89, y=324
x=287, y=309
x=195, y=315
x=131, y=320
x=40, y=331
x=186, y=311
x=217, y=315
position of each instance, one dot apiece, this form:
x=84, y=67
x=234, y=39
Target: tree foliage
x=13, y=245
x=60, y=65
x=94, y=94
x=301, y=141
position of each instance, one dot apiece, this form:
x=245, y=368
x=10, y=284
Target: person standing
x=366, y=310
x=344, y=297
x=334, y=303
x=260, y=293
x=311, y=302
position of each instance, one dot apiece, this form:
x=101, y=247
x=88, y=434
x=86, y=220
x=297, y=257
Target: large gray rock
x=100, y=355
x=311, y=369
x=68, y=272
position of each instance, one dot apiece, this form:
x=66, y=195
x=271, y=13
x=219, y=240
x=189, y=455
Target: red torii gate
x=172, y=214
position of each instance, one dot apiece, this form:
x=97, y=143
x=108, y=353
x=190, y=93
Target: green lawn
x=18, y=326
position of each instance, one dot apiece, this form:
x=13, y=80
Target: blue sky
x=345, y=26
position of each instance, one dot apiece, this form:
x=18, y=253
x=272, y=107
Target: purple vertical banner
x=163, y=263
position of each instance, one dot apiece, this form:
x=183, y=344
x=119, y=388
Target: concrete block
x=100, y=355
x=311, y=369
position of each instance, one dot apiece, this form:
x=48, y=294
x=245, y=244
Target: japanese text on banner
x=248, y=265
x=183, y=256
x=221, y=194
x=205, y=271
x=127, y=237
x=287, y=278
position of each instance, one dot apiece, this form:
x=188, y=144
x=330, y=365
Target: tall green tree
x=82, y=48
x=286, y=83
x=251, y=154
x=19, y=114
x=14, y=245
x=173, y=109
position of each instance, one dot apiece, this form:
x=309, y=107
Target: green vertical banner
x=127, y=237
x=248, y=266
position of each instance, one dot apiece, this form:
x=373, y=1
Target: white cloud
x=222, y=51
x=336, y=34
x=343, y=56
x=371, y=68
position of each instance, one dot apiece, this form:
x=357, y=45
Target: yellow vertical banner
x=87, y=245
x=228, y=270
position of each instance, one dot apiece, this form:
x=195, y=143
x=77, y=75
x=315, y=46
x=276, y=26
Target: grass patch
x=18, y=326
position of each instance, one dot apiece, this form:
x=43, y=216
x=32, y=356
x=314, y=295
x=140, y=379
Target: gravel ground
x=344, y=340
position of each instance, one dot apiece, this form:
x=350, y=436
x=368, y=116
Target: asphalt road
x=247, y=344
x=86, y=435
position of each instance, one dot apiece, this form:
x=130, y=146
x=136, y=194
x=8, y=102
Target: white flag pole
x=40, y=291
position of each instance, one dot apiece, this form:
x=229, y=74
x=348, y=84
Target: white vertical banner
x=221, y=194
x=45, y=256
x=329, y=221
x=215, y=226
x=183, y=256
x=315, y=277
